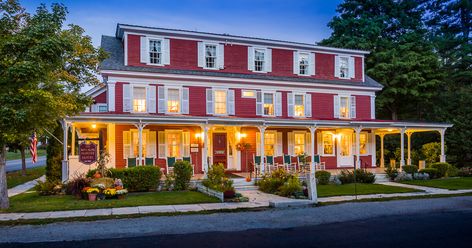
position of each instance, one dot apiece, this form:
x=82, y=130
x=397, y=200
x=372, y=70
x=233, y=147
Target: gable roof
x=114, y=47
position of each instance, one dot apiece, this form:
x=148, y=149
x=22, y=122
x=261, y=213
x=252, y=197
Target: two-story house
x=177, y=93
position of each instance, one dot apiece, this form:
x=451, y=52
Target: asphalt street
x=14, y=165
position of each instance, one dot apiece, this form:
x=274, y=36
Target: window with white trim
x=299, y=142
x=343, y=67
x=135, y=142
x=248, y=93
x=259, y=59
x=303, y=63
x=173, y=100
x=173, y=143
x=344, y=107
x=155, y=51
x=103, y=108
x=210, y=56
x=139, y=99
x=363, y=140
x=299, y=105
x=220, y=102
x=328, y=143
x=270, y=141
x=269, y=103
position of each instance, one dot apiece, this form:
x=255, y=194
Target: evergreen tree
x=54, y=156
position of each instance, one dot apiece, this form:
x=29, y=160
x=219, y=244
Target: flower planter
x=121, y=197
x=92, y=197
x=229, y=194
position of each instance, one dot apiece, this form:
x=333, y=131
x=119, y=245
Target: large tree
x=43, y=67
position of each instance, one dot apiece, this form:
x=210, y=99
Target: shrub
x=217, y=179
x=465, y=172
x=322, y=177
x=410, y=169
x=140, y=178
x=421, y=176
x=442, y=168
x=452, y=171
x=48, y=187
x=183, y=174
x=270, y=183
x=403, y=176
x=430, y=152
x=290, y=187
x=361, y=176
x=391, y=173
x=76, y=184
x=432, y=172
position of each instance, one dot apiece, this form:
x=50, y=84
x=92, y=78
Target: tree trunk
x=394, y=115
x=23, y=161
x=4, y=203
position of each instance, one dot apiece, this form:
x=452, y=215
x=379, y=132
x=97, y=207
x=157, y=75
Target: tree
x=43, y=67
x=20, y=145
x=54, y=156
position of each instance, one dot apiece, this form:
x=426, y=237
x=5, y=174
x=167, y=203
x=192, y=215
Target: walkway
x=24, y=187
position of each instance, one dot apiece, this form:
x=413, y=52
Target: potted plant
x=121, y=194
x=109, y=193
x=92, y=194
x=228, y=189
x=101, y=187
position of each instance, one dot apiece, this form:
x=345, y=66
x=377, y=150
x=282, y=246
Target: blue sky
x=293, y=20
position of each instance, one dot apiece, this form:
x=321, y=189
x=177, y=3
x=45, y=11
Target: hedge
x=139, y=178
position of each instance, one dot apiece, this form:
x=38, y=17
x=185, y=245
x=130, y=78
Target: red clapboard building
x=219, y=98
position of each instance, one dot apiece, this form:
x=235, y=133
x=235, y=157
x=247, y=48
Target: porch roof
x=387, y=125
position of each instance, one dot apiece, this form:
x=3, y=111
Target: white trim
x=166, y=92
x=233, y=80
x=111, y=96
x=217, y=58
x=157, y=38
x=372, y=107
x=132, y=86
x=244, y=39
x=274, y=102
x=125, y=44
x=363, y=72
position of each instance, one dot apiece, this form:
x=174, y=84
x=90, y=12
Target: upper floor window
x=303, y=64
x=155, y=51
x=173, y=100
x=210, y=56
x=344, y=67
x=259, y=59
x=299, y=105
x=220, y=102
x=269, y=104
x=344, y=107
x=139, y=99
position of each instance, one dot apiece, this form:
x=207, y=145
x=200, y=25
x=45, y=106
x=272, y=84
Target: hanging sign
x=87, y=153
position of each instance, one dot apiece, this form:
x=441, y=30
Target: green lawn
x=32, y=202
x=15, y=178
x=17, y=155
x=444, y=183
x=362, y=189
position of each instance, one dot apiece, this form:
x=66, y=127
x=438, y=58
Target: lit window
x=303, y=64
x=210, y=56
x=173, y=100
x=102, y=108
x=299, y=145
x=269, y=143
x=173, y=144
x=346, y=143
x=328, y=143
x=155, y=52
x=363, y=143
x=139, y=99
x=269, y=104
x=248, y=93
x=135, y=140
x=299, y=105
x=344, y=67
x=259, y=59
x=344, y=107
x=220, y=102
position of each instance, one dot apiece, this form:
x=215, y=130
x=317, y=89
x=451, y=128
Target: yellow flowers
x=110, y=192
x=92, y=191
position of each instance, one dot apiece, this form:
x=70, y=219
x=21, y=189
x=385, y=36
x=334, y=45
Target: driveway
x=14, y=165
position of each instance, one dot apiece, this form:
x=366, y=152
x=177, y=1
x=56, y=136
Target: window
x=269, y=143
x=248, y=93
x=139, y=99
x=344, y=107
x=173, y=100
x=210, y=56
x=303, y=64
x=220, y=102
x=299, y=105
x=259, y=59
x=102, y=108
x=173, y=144
x=363, y=143
x=344, y=67
x=328, y=143
x=269, y=104
x=299, y=145
x=135, y=140
x=155, y=51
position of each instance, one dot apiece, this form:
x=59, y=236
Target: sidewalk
x=257, y=199
x=24, y=187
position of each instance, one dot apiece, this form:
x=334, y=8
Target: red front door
x=219, y=148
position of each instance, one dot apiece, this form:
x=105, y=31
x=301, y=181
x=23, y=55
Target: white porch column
x=262, y=131
x=408, y=136
x=312, y=192
x=382, y=156
x=205, y=149
x=72, y=141
x=358, y=147
x=65, y=159
x=402, y=147
x=140, y=127
x=442, y=158
x=111, y=142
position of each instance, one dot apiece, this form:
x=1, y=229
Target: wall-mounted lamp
x=94, y=125
x=389, y=130
x=198, y=135
x=241, y=135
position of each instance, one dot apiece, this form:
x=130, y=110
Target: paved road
x=436, y=229
x=14, y=165
x=251, y=224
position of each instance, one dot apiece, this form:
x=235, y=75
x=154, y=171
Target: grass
x=17, y=155
x=32, y=202
x=444, y=183
x=15, y=178
x=362, y=189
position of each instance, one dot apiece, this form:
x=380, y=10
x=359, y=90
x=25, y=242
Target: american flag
x=33, y=147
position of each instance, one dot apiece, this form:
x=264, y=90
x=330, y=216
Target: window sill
x=259, y=71
x=155, y=64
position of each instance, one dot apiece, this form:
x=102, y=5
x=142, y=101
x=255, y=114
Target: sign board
x=193, y=150
x=194, y=145
x=87, y=153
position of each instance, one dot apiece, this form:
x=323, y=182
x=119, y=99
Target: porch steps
x=241, y=184
x=381, y=178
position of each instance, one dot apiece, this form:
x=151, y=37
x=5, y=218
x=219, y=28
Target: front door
x=220, y=149
x=345, y=156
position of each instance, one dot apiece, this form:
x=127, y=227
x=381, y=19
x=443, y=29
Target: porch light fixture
x=198, y=135
x=241, y=135
x=94, y=125
x=389, y=130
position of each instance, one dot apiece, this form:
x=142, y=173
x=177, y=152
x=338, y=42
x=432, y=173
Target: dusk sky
x=301, y=20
